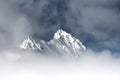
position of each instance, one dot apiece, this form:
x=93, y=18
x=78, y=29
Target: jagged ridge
x=62, y=43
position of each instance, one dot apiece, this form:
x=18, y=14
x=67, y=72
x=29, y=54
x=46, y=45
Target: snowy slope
x=30, y=44
x=63, y=44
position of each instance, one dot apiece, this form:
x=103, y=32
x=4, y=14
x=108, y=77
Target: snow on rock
x=29, y=44
x=66, y=43
x=62, y=43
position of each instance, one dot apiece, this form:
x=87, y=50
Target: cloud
x=95, y=20
x=28, y=65
x=98, y=18
x=92, y=21
x=14, y=26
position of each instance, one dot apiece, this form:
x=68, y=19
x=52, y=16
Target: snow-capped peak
x=28, y=43
x=60, y=33
x=62, y=43
x=66, y=41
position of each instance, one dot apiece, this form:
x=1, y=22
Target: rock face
x=63, y=44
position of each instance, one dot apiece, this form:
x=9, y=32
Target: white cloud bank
x=16, y=65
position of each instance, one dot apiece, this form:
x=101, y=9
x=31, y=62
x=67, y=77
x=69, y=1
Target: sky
x=94, y=22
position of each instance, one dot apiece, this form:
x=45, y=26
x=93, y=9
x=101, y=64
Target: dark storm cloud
x=100, y=19
x=94, y=22
x=46, y=16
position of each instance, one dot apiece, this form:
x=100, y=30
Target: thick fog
x=91, y=65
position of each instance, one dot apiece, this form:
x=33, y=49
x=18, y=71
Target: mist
x=14, y=26
x=33, y=66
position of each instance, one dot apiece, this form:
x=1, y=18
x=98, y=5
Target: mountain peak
x=29, y=39
x=60, y=33
x=63, y=43
x=28, y=43
x=62, y=38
